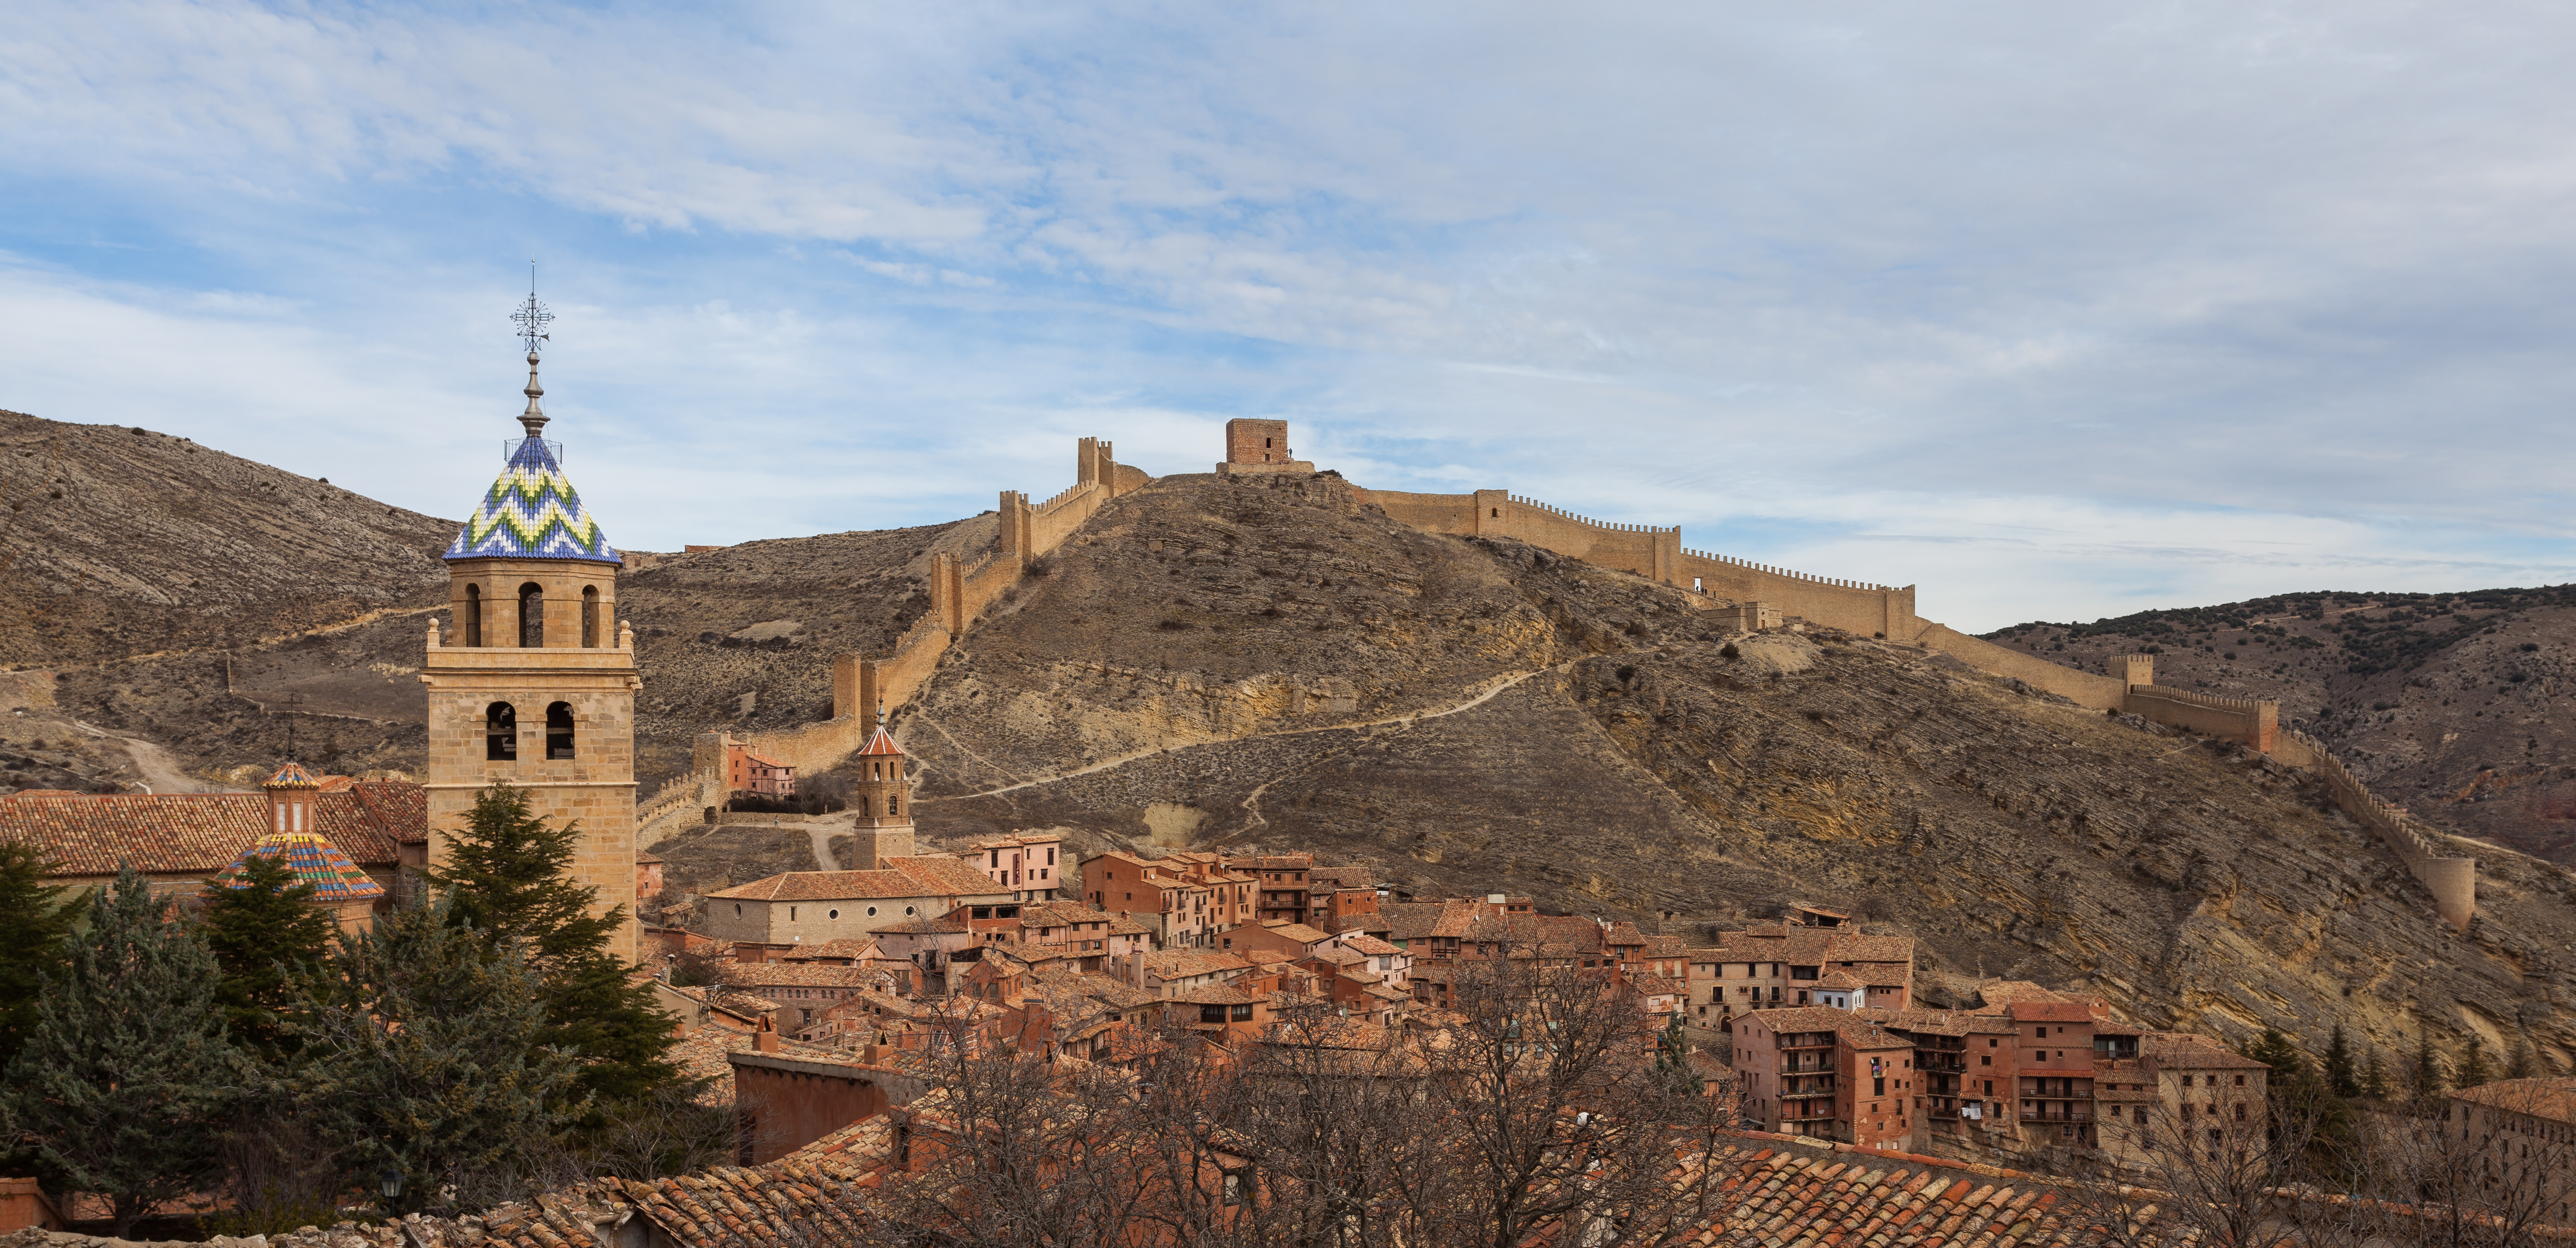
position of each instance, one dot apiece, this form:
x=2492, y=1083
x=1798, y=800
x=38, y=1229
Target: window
x=590, y=616
x=473, y=622
x=559, y=730
x=532, y=615
x=501, y=732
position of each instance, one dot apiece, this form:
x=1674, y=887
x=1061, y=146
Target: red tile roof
x=828, y=886
x=202, y=833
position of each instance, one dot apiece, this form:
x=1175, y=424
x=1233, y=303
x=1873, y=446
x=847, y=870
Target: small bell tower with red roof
x=881, y=800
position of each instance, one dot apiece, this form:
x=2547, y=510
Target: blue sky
x=2054, y=311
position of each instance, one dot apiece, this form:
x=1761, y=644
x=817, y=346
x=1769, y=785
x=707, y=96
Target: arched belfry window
x=532, y=615
x=590, y=616
x=501, y=732
x=559, y=730
x=473, y=615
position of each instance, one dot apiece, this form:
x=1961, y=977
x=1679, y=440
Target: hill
x=1220, y=662
x=2452, y=704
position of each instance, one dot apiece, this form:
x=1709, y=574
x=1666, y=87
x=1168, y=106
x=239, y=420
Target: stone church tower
x=535, y=681
x=881, y=801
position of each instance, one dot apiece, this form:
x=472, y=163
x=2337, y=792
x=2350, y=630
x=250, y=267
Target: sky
x=2053, y=311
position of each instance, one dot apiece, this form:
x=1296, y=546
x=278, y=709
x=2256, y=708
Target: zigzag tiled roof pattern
x=201, y=833
x=531, y=512
x=314, y=861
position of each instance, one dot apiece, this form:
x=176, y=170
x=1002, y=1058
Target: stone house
x=1784, y=966
x=2524, y=1132
x=811, y=907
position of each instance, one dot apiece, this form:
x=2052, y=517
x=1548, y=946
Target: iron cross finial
x=532, y=317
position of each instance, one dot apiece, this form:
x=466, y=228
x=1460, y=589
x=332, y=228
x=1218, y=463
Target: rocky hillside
x=1267, y=662
x=1219, y=664
x=2461, y=706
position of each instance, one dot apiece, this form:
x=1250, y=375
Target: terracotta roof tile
x=202, y=833
x=828, y=886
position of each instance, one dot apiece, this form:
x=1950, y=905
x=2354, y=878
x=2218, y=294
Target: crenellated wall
x=1657, y=553
x=2451, y=878
x=959, y=595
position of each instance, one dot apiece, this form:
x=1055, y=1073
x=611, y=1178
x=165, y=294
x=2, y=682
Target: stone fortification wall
x=2256, y=723
x=959, y=594
x=2100, y=693
x=2452, y=879
x=1852, y=606
x=1657, y=553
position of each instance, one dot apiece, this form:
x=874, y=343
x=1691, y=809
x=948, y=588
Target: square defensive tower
x=1255, y=446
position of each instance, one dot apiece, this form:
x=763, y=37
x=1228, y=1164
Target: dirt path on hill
x=1490, y=692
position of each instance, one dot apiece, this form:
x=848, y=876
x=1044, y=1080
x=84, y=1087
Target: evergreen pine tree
x=2341, y=1078
x=2524, y=1063
x=2427, y=1079
x=508, y=875
x=417, y=1059
x=265, y=934
x=2374, y=1079
x=2474, y=1067
x=2289, y=1066
x=1672, y=1057
x=123, y=1085
x=33, y=921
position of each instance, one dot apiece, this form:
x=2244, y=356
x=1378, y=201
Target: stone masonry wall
x=959, y=595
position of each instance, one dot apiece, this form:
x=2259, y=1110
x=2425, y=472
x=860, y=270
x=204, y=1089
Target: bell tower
x=534, y=680
x=881, y=801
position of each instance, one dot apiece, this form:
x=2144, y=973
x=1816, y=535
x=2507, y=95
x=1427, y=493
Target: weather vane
x=532, y=317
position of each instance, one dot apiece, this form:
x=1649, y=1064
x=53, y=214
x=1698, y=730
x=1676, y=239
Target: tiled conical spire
x=531, y=511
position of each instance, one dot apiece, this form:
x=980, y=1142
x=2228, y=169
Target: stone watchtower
x=535, y=683
x=881, y=801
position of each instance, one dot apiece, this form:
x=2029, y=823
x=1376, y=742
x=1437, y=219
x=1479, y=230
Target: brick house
x=1280, y=887
x=1827, y=1072
x=1186, y=898
x=1024, y=862
x=752, y=774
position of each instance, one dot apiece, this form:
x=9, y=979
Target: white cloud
x=2218, y=273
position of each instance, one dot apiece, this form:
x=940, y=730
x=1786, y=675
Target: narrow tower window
x=532, y=615
x=590, y=616
x=559, y=730
x=473, y=615
x=501, y=732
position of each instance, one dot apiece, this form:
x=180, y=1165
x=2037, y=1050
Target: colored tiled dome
x=292, y=776
x=531, y=512
x=314, y=861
